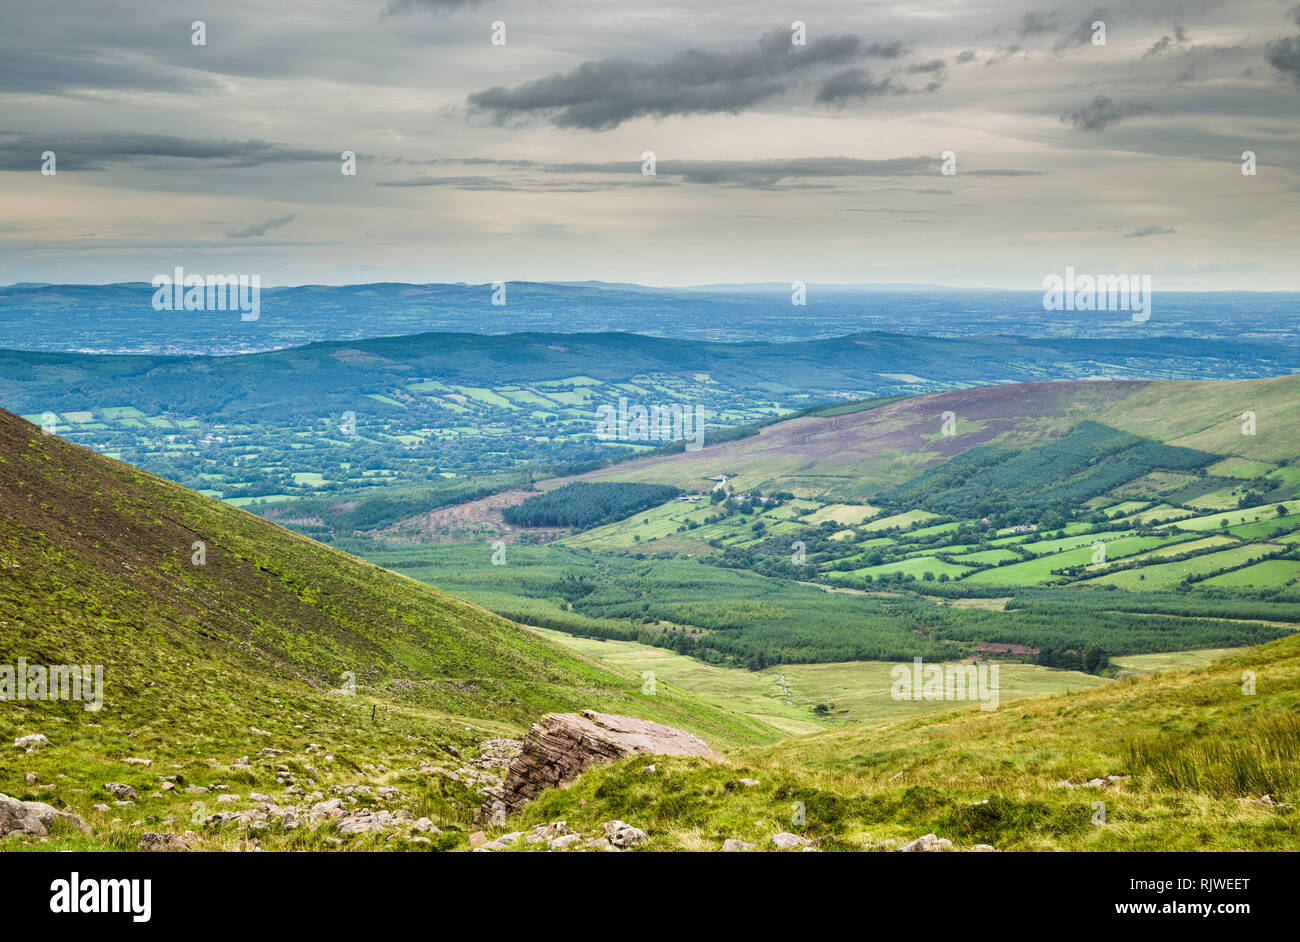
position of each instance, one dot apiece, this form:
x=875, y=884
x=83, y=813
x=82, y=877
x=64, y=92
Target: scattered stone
x=145, y=763
x=365, y=822
x=565, y=841
x=649, y=770
x=927, y=843
x=30, y=778
x=747, y=782
x=787, y=841
x=163, y=843
x=102, y=808
x=120, y=790
x=621, y=834
x=226, y=799
x=478, y=839
x=1266, y=800
x=31, y=742
x=984, y=849
x=732, y=843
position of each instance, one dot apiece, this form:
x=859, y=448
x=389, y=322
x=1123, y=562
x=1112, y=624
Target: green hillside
x=868, y=452
x=1194, y=756
x=203, y=664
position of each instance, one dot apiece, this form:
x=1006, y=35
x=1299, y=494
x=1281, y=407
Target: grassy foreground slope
x=1198, y=755
x=204, y=664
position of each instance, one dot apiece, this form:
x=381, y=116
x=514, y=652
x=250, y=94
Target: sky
x=505, y=140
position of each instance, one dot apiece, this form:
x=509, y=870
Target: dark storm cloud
x=602, y=94
x=1101, y=113
x=97, y=151
x=1149, y=231
x=262, y=228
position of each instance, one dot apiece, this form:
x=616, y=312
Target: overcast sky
x=775, y=161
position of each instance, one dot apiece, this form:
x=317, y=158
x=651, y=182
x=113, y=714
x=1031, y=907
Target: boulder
x=787, y=841
x=732, y=843
x=48, y=814
x=17, y=818
x=162, y=843
x=621, y=834
x=561, y=746
x=927, y=843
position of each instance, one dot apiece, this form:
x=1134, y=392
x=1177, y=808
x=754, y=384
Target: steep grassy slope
x=1198, y=753
x=219, y=660
x=864, y=453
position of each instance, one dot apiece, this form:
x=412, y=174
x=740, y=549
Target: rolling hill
x=864, y=453
x=221, y=635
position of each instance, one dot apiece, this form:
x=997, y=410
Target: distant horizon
x=591, y=282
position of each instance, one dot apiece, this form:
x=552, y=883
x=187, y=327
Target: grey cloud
x=1003, y=54
x=1149, y=231
x=788, y=173
x=1081, y=33
x=1167, y=42
x=1284, y=55
x=934, y=65
x=1037, y=22
x=1101, y=113
x=966, y=56
x=95, y=152
x=854, y=85
x=601, y=95
x=262, y=228
x=397, y=7
x=37, y=71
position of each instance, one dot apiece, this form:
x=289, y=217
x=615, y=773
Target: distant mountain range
x=120, y=318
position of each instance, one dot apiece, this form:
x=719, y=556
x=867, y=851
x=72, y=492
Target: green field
x=1270, y=573
x=857, y=691
x=1168, y=575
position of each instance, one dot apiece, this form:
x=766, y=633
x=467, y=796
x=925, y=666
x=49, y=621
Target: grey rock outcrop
x=561, y=746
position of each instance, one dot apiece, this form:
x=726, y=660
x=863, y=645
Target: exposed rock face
x=562, y=746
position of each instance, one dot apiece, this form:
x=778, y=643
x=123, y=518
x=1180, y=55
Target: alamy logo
x=181, y=292
x=75, y=895
x=654, y=424
x=68, y=682
x=953, y=682
x=1100, y=293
